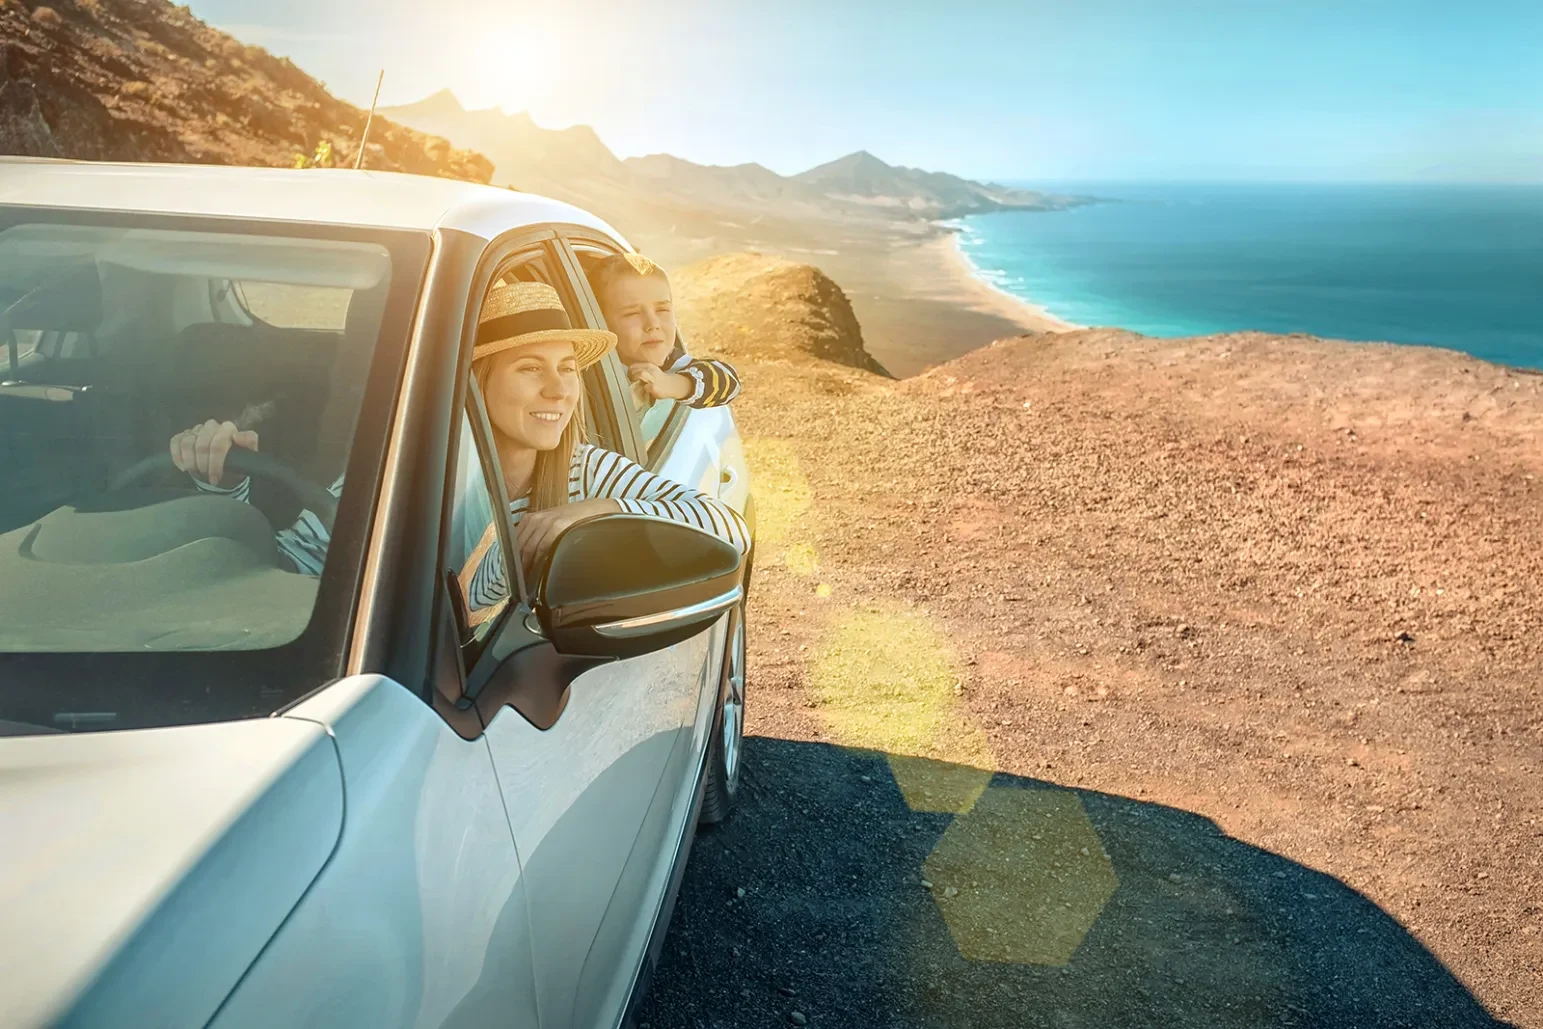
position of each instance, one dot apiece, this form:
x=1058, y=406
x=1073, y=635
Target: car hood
x=143, y=871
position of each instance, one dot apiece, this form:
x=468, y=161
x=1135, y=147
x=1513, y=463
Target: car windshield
x=117, y=342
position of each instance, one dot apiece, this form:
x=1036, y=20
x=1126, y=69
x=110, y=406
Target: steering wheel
x=314, y=497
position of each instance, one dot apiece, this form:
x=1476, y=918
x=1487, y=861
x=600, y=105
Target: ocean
x=1450, y=266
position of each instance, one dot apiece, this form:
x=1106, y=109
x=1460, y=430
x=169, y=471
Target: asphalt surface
x=839, y=925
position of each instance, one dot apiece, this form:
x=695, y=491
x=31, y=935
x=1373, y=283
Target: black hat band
x=510, y=325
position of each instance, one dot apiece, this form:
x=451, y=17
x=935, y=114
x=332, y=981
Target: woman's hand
x=661, y=385
x=202, y=450
x=539, y=530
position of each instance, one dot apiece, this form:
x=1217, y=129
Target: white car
x=236, y=796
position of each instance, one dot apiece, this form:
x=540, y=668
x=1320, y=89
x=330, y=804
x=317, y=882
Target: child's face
x=639, y=311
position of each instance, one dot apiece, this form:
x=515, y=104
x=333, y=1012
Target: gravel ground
x=1249, y=622
x=834, y=923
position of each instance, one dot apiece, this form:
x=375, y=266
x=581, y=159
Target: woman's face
x=532, y=392
x=639, y=310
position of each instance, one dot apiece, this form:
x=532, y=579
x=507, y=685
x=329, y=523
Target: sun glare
x=514, y=67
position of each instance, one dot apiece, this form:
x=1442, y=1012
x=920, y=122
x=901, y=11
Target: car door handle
x=727, y=480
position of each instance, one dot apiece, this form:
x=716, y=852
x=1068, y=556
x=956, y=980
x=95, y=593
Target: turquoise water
x=1452, y=266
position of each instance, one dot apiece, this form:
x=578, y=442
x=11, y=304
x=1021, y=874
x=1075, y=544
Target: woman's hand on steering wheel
x=202, y=450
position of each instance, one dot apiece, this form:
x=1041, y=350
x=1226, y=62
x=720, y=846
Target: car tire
x=725, y=753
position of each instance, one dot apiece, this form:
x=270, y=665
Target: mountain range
x=574, y=163
x=146, y=80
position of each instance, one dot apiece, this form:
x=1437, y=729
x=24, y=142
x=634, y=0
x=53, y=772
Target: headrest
x=214, y=336
x=72, y=303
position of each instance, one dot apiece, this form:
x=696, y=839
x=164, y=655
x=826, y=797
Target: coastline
x=981, y=293
x=919, y=299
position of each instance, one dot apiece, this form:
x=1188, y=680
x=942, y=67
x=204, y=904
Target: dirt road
x=1199, y=681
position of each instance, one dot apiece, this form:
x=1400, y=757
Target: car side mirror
x=622, y=585
x=616, y=586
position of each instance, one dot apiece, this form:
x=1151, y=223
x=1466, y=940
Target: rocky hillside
x=739, y=185
x=144, y=80
x=524, y=155
x=760, y=308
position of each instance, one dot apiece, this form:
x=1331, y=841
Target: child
x=634, y=295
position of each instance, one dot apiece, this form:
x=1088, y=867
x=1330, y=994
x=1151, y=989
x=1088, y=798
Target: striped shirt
x=717, y=383
x=594, y=474
x=304, y=544
x=604, y=474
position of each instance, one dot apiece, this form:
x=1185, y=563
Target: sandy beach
x=977, y=292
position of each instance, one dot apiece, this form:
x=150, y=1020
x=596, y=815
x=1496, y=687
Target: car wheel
x=726, y=751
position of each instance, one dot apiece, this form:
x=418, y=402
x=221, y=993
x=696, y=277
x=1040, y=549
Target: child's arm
x=715, y=383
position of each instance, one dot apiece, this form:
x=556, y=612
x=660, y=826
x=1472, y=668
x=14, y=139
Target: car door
x=420, y=918
x=597, y=801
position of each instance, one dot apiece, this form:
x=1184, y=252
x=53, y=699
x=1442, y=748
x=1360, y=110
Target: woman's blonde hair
x=549, y=481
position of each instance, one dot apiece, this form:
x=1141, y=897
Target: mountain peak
x=443, y=101
x=859, y=159
x=860, y=166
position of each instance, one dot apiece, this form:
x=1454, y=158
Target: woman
x=527, y=361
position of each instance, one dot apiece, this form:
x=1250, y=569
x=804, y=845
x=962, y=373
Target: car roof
x=324, y=196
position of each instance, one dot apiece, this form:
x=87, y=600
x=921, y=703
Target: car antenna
x=359, y=157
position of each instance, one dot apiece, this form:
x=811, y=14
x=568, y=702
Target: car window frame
x=499, y=257
x=616, y=373
x=507, y=630
x=473, y=639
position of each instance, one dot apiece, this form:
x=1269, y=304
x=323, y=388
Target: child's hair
x=606, y=271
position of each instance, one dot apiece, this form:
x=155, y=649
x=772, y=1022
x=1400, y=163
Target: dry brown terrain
x=1287, y=584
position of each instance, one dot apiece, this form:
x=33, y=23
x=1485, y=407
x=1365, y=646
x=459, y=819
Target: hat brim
x=589, y=345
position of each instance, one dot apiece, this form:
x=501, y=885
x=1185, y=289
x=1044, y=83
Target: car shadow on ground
x=1037, y=906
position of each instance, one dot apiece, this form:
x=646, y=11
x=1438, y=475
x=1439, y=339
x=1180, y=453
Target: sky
x=1036, y=90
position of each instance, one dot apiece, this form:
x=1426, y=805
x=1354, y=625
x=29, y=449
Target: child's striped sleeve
x=717, y=383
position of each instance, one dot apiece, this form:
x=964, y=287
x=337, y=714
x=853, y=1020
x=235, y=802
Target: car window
x=473, y=549
x=619, y=398
x=286, y=305
x=653, y=417
x=113, y=548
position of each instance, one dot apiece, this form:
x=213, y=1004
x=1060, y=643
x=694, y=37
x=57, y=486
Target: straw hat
x=517, y=313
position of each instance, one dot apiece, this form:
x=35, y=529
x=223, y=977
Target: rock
x=950, y=891
x=798, y=1018
x=787, y=991
x=792, y=310
x=740, y=893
